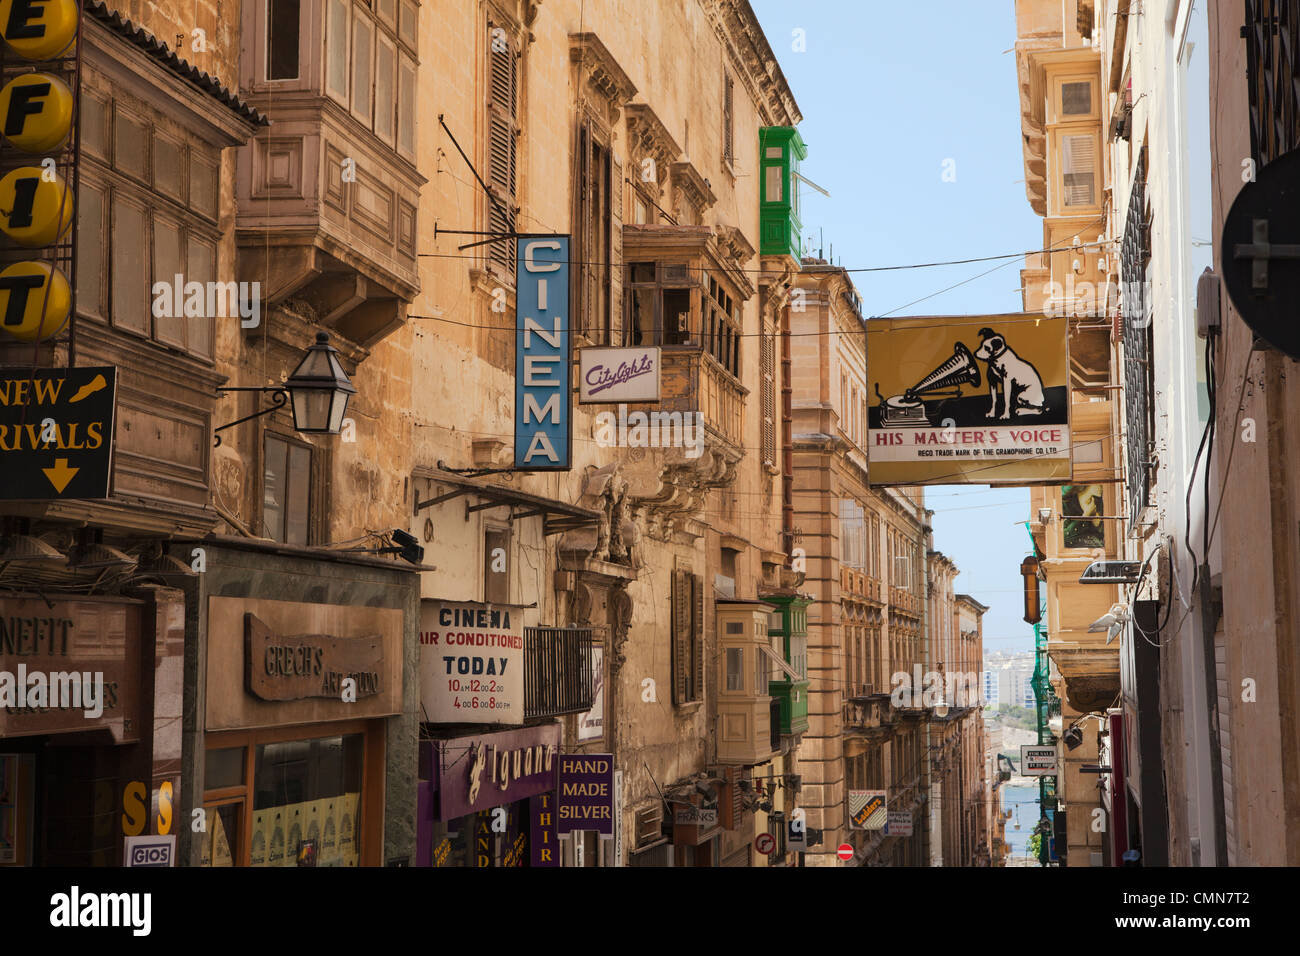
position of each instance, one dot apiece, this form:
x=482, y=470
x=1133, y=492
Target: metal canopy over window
x=557, y=517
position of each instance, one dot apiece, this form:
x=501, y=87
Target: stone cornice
x=598, y=68
x=752, y=60
x=696, y=190
x=646, y=131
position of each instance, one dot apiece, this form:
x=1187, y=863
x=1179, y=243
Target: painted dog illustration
x=1019, y=381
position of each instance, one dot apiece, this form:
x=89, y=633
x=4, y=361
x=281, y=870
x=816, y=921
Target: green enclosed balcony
x=789, y=624
x=780, y=229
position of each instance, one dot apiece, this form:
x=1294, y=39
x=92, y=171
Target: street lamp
x=318, y=390
x=1029, y=571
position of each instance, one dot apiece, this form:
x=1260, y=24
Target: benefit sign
x=471, y=663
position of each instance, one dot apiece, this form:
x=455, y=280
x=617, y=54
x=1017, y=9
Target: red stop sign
x=845, y=852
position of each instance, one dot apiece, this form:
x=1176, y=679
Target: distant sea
x=1024, y=799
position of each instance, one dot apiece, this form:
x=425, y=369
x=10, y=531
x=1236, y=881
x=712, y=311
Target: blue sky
x=893, y=95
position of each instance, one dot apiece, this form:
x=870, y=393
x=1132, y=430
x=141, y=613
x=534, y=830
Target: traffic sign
x=845, y=852
x=56, y=432
x=765, y=844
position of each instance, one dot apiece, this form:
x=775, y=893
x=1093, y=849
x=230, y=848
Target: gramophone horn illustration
x=908, y=409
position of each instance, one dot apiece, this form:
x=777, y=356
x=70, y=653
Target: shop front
x=90, y=741
x=489, y=799
x=305, y=727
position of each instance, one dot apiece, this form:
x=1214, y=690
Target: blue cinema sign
x=543, y=399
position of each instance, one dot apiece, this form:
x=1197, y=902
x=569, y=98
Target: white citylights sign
x=618, y=375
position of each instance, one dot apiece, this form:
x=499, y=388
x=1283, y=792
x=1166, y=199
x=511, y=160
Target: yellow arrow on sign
x=60, y=474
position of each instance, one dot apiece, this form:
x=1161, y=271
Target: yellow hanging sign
x=38, y=29
x=36, y=206
x=27, y=312
x=37, y=112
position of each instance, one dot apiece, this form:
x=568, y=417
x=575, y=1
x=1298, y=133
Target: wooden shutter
x=767, y=397
x=697, y=637
x=496, y=584
x=502, y=166
x=1079, y=154
x=728, y=133
x=681, y=653
x=615, y=252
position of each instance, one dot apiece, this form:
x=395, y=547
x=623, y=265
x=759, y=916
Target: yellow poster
x=980, y=399
x=312, y=831
x=219, y=854
x=295, y=815
x=276, y=836
x=348, y=836
x=328, y=853
x=257, y=854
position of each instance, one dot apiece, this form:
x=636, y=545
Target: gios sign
x=37, y=207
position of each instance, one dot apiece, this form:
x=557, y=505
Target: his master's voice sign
x=471, y=663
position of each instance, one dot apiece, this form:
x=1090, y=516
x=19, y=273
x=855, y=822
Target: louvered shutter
x=697, y=636
x=728, y=133
x=615, y=251
x=588, y=232
x=1079, y=164
x=681, y=653
x=767, y=396
x=502, y=171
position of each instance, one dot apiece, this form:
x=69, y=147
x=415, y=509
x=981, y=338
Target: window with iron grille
x=1136, y=316
x=558, y=671
x=503, y=143
x=1272, y=34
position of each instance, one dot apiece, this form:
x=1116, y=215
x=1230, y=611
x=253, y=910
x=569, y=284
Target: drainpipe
x=931, y=784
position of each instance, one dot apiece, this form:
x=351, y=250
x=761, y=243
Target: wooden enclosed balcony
x=327, y=197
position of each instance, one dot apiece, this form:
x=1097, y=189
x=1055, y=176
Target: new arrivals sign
x=968, y=400
x=543, y=401
x=471, y=663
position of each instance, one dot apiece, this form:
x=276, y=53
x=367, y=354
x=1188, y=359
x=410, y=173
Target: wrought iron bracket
x=279, y=398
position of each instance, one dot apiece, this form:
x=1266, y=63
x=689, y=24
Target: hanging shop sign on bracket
x=543, y=356
x=56, y=432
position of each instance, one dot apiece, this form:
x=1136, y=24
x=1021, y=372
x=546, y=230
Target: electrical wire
x=1005, y=318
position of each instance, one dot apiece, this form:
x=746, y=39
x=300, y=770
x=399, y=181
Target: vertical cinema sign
x=543, y=399
x=36, y=203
